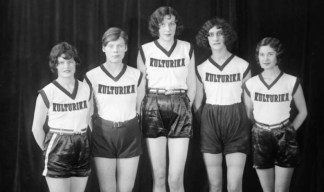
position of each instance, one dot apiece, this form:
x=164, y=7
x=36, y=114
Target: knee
x=159, y=177
x=175, y=182
x=215, y=187
x=234, y=187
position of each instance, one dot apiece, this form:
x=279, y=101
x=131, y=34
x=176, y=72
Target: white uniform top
x=115, y=97
x=167, y=69
x=223, y=83
x=271, y=103
x=65, y=110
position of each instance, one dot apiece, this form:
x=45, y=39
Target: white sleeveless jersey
x=271, y=103
x=65, y=110
x=115, y=97
x=223, y=83
x=167, y=69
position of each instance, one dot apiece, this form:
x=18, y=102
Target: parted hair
x=228, y=32
x=157, y=17
x=274, y=43
x=60, y=49
x=112, y=34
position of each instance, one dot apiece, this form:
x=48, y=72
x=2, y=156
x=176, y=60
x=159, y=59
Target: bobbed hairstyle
x=62, y=49
x=157, y=17
x=112, y=34
x=229, y=34
x=274, y=43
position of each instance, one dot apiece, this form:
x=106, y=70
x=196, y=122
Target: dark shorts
x=166, y=116
x=274, y=147
x=225, y=129
x=66, y=155
x=111, y=140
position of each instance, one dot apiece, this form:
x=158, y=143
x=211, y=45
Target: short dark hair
x=112, y=34
x=274, y=43
x=228, y=32
x=62, y=48
x=157, y=17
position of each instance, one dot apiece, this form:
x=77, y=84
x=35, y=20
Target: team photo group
x=117, y=110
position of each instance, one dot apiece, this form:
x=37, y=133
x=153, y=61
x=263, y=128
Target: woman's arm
x=248, y=106
x=191, y=80
x=39, y=120
x=140, y=94
x=300, y=103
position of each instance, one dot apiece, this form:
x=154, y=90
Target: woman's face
x=267, y=57
x=167, y=28
x=65, y=67
x=216, y=38
x=115, y=50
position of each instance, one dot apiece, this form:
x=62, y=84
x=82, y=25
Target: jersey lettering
x=57, y=107
x=167, y=63
x=116, y=90
x=223, y=78
x=271, y=98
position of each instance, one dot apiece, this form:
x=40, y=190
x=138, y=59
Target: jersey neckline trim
x=221, y=67
x=71, y=95
x=121, y=73
x=168, y=53
x=273, y=82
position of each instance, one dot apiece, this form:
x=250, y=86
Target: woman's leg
x=58, y=184
x=178, y=150
x=157, y=152
x=283, y=178
x=106, y=172
x=235, y=167
x=267, y=179
x=126, y=173
x=78, y=184
x=214, y=169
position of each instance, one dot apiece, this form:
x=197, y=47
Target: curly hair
x=59, y=50
x=157, y=17
x=274, y=43
x=112, y=34
x=228, y=32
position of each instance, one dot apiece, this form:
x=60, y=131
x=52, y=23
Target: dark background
x=30, y=28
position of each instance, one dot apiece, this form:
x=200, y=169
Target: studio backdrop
x=30, y=28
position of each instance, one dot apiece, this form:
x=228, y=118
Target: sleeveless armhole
x=198, y=75
x=142, y=54
x=44, y=97
x=191, y=51
x=297, y=83
x=247, y=70
x=246, y=89
x=140, y=79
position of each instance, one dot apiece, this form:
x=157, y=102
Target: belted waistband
x=113, y=124
x=167, y=91
x=274, y=126
x=67, y=131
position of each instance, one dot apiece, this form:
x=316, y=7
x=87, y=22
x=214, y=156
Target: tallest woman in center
x=169, y=68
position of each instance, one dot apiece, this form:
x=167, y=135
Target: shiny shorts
x=166, y=116
x=110, y=140
x=276, y=146
x=225, y=129
x=66, y=155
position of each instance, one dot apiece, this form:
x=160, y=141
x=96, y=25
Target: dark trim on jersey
x=246, y=71
x=142, y=54
x=44, y=96
x=75, y=89
x=90, y=85
x=246, y=89
x=296, y=86
x=273, y=83
x=198, y=75
x=191, y=51
x=221, y=67
x=140, y=79
x=167, y=53
x=103, y=68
